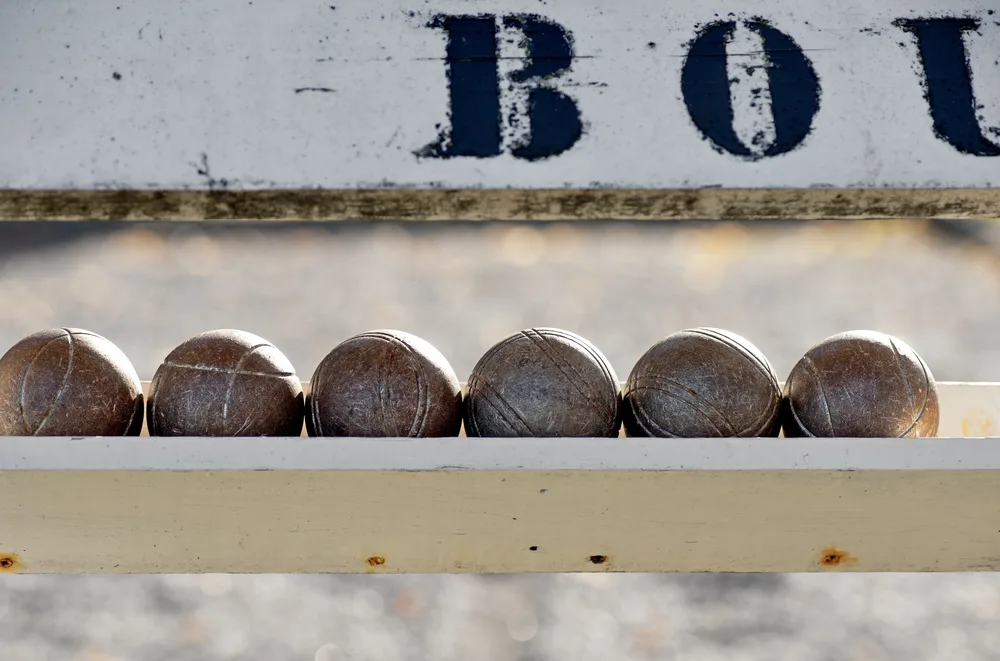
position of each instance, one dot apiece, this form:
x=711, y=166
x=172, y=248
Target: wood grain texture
x=502, y=204
x=488, y=521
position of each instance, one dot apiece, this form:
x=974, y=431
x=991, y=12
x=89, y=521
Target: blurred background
x=462, y=287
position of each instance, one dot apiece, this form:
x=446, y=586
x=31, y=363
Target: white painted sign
x=565, y=94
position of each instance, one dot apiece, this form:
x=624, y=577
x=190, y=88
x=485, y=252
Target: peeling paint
x=376, y=96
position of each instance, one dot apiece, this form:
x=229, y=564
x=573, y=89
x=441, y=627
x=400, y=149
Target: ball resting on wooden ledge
x=861, y=384
x=225, y=383
x=384, y=383
x=702, y=383
x=543, y=382
x=68, y=382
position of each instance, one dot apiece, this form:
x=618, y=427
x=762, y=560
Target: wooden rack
x=310, y=111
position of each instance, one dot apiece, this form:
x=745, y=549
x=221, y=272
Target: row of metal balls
x=541, y=382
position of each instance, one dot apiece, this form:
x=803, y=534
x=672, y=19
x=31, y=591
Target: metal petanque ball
x=68, y=382
x=225, y=383
x=861, y=384
x=381, y=384
x=702, y=383
x=543, y=382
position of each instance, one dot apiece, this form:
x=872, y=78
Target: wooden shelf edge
x=477, y=204
x=498, y=505
x=327, y=505
x=445, y=455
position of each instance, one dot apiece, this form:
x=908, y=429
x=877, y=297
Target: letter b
x=475, y=87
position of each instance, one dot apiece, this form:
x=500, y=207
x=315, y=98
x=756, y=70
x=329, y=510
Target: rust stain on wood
x=831, y=556
x=435, y=204
x=376, y=561
x=10, y=563
x=978, y=424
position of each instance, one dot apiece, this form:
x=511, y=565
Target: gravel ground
x=463, y=287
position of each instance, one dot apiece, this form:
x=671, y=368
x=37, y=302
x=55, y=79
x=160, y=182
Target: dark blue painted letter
x=474, y=82
x=795, y=89
x=949, y=82
x=554, y=118
x=474, y=87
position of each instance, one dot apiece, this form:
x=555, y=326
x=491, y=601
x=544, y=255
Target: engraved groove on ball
x=767, y=420
x=861, y=384
x=494, y=403
x=902, y=374
x=553, y=357
x=71, y=349
x=420, y=413
x=766, y=370
x=543, y=382
x=232, y=382
x=68, y=382
x=646, y=421
x=702, y=382
x=808, y=364
x=477, y=382
x=673, y=393
x=693, y=401
x=317, y=422
x=24, y=382
x=579, y=381
x=599, y=359
x=225, y=383
x=225, y=370
x=385, y=383
x=927, y=389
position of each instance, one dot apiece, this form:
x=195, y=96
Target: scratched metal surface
x=232, y=94
x=622, y=286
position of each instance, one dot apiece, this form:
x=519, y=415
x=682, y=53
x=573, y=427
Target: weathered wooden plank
x=394, y=109
x=509, y=505
x=513, y=204
x=647, y=511
x=969, y=409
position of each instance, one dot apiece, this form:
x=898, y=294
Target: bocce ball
x=701, y=383
x=384, y=383
x=225, y=383
x=68, y=382
x=861, y=384
x=543, y=382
